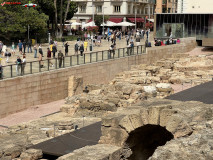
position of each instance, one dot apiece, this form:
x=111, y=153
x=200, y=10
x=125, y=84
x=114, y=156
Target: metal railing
x=32, y=67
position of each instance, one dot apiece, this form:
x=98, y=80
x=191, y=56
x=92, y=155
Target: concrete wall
x=22, y=92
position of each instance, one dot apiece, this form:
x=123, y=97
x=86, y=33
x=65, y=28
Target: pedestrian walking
x=18, y=65
x=60, y=58
x=20, y=46
x=81, y=49
x=138, y=39
x=35, y=48
x=85, y=45
x=76, y=48
x=13, y=48
x=24, y=46
x=49, y=57
x=40, y=59
x=7, y=55
x=1, y=70
x=66, y=49
x=29, y=44
x=54, y=50
x=1, y=45
x=40, y=50
x=127, y=40
x=23, y=64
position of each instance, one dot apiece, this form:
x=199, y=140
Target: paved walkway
x=104, y=46
x=202, y=93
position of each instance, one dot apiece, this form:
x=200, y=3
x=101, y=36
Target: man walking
x=24, y=45
x=20, y=46
x=66, y=49
x=60, y=58
x=29, y=45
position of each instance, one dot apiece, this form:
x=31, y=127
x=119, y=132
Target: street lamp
x=92, y=23
x=28, y=27
x=103, y=21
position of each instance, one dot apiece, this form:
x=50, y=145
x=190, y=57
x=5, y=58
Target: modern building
x=166, y=6
x=184, y=25
x=117, y=10
x=195, y=6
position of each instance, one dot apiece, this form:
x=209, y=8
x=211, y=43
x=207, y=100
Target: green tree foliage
x=14, y=20
x=99, y=19
x=47, y=7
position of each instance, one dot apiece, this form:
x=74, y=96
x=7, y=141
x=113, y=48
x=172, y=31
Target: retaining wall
x=22, y=92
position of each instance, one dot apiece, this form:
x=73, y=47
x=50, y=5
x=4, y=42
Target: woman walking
x=81, y=49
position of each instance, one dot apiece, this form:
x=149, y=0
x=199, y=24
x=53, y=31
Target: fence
x=32, y=67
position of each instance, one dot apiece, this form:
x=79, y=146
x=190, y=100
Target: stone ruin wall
x=45, y=87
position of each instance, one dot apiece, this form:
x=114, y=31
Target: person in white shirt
x=23, y=65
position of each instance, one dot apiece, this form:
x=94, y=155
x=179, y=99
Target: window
x=99, y=9
x=129, y=9
x=82, y=9
x=169, y=10
x=117, y=9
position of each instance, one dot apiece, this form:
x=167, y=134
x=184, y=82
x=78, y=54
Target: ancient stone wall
x=21, y=92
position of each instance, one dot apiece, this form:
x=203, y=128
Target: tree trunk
x=61, y=18
x=67, y=10
x=56, y=18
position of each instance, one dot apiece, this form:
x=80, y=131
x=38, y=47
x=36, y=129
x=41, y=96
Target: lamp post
x=135, y=19
x=103, y=21
x=28, y=26
x=92, y=23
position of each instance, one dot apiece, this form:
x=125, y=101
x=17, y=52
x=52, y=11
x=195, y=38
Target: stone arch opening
x=144, y=140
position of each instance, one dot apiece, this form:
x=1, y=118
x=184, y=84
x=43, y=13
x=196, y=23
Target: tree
x=58, y=11
x=99, y=19
x=14, y=20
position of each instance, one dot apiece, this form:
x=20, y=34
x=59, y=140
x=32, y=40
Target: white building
x=117, y=10
x=195, y=6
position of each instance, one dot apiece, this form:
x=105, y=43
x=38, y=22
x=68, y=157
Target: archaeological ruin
x=137, y=122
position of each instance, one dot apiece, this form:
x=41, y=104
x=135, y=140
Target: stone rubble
x=128, y=88
x=141, y=82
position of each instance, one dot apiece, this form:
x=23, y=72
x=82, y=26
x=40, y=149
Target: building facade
x=195, y=6
x=166, y=6
x=117, y=10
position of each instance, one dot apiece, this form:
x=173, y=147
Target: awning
x=115, y=20
x=151, y=20
x=137, y=19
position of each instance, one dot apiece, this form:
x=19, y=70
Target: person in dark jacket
x=81, y=49
x=60, y=58
x=29, y=46
x=66, y=49
x=54, y=50
x=24, y=45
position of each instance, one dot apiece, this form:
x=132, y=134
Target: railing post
x=70, y=60
x=31, y=68
x=39, y=66
x=96, y=56
x=123, y=52
x=48, y=64
x=90, y=57
x=11, y=70
x=102, y=55
x=77, y=59
x=84, y=58
x=137, y=49
x=56, y=63
x=118, y=52
x=141, y=49
x=64, y=62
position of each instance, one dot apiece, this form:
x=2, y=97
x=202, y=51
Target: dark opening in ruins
x=144, y=140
